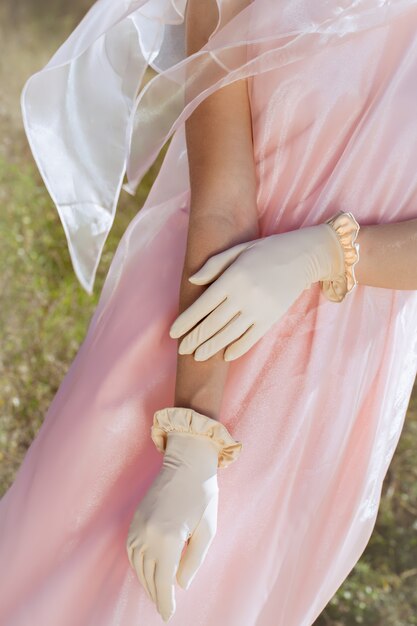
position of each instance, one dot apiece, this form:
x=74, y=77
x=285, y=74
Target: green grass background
x=44, y=315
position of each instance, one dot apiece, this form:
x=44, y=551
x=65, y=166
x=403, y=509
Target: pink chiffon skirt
x=319, y=402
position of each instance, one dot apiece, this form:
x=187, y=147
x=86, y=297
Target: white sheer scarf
x=89, y=123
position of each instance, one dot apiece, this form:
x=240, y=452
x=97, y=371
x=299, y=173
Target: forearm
x=388, y=255
x=200, y=385
x=222, y=208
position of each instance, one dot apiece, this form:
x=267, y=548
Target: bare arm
x=388, y=255
x=223, y=201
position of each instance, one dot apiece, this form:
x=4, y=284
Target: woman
x=277, y=124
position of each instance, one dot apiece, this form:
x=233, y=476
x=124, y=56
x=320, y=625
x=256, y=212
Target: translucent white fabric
x=318, y=403
x=87, y=124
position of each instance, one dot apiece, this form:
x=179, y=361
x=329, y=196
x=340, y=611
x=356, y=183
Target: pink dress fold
x=319, y=402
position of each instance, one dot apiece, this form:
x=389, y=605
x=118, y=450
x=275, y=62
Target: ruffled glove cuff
x=347, y=229
x=187, y=420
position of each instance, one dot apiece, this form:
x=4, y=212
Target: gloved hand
x=181, y=503
x=257, y=282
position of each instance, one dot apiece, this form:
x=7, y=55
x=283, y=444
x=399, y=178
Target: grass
x=44, y=317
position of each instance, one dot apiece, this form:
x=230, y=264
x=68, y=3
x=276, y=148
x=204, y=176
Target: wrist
x=335, y=287
x=326, y=258
x=196, y=450
x=193, y=423
x=333, y=258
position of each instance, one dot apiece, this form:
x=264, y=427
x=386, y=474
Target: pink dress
x=319, y=402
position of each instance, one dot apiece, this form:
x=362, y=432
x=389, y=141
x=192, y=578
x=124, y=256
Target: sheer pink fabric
x=318, y=403
x=93, y=126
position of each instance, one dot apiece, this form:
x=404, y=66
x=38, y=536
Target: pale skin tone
x=223, y=213
x=223, y=202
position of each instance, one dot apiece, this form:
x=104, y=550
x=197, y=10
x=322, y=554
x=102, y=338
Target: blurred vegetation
x=44, y=315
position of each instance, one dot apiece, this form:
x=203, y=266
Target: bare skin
x=388, y=255
x=223, y=213
x=223, y=201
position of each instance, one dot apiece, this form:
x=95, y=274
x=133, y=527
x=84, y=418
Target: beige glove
x=181, y=503
x=256, y=284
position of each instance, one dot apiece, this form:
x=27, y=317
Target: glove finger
x=216, y=264
x=198, y=546
x=165, y=571
x=198, y=310
x=138, y=558
x=244, y=343
x=131, y=546
x=234, y=329
x=149, y=574
x=208, y=327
